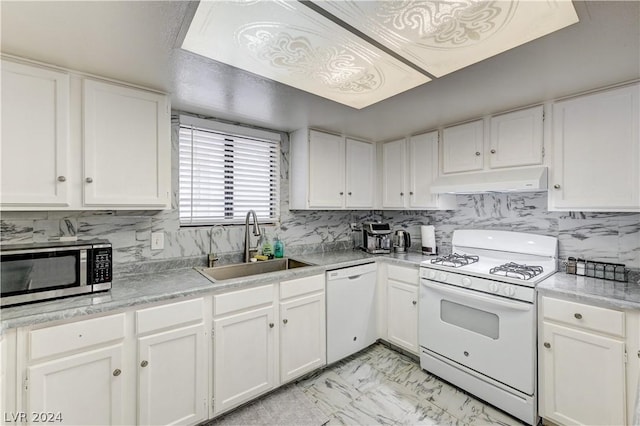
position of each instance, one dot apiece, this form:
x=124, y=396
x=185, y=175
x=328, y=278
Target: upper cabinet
x=596, y=152
x=462, y=147
x=514, y=139
x=73, y=143
x=409, y=167
x=330, y=172
x=35, y=136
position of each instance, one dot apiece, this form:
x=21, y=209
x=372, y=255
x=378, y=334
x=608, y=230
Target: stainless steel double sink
x=237, y=270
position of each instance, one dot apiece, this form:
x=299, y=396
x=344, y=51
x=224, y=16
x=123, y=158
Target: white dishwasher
x=351, y=310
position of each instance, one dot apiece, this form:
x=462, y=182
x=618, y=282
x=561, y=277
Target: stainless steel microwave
x=43, y=271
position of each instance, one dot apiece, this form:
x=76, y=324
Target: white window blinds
x=223, y=176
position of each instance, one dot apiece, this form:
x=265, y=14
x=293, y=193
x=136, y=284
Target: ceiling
x=138, y=42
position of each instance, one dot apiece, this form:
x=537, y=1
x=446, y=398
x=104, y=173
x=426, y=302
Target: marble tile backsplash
x=611, y=237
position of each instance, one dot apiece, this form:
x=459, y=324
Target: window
x=225, y=171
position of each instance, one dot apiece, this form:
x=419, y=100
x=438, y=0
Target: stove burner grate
x=515, y=270
x=455, y=260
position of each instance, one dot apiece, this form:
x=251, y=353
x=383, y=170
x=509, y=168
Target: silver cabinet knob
x=577, y=316
x=284, y=321
x=349, y=192
x=402, y=194
x=88, y=180
x=556, y=186
x=341, y=193
x=493, y=151
x=414, y=302
x=61, y=178
x=271, y=325
x=410, y=192
x=547, y=345
x=144, y=363
x=117, y=372
x=477, y=153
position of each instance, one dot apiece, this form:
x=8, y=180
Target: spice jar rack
x=601, y=270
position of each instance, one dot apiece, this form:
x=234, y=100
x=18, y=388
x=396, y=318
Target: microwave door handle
x=477, y=297
x=83, y=268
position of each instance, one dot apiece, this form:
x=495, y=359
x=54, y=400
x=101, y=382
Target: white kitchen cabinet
x=126, y=146
x=85, y=388
x=360, y=174
x=596, y=152
x=517, y=138
x=303, y=327
x=402, y=307
x=8, y=375
x=330, y=171
x=35, y=137
x=74, y=143
x=171, y=363
x=462, y=147
x=244, y=349
x=409, y=167
x=582, y=364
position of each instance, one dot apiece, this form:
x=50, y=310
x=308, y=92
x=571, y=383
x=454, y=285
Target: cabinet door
x=462, y=147
x=244, y=364
x=360, y=166
x=172, y=377
x=35, y=136
x=402, y=315
x=85, y=388
x=393, y=173
x=423, y=169
x=302, y=336
x=127, y=147
x=326, y=170
x=596, y=155
x=582, y=377
x=516, y=138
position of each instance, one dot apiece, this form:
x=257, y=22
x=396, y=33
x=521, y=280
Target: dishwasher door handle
x=354, y=277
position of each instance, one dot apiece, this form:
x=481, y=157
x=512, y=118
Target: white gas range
x=478, y=318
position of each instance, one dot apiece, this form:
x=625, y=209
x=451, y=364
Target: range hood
x=513, y=180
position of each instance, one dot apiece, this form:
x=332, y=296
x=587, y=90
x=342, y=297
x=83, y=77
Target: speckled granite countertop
x=138, y=289
x=594, y=291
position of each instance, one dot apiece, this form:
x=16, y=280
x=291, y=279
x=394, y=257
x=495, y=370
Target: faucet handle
x=212, y=259
x=253, y=252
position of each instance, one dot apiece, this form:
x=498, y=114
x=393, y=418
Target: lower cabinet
x=171, y=364
x=402, y=307
x=243, y=357
x=266, y=336
x=80, y=389
x=582, y=377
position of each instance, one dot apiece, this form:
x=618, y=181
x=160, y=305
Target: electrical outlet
x=157, y=240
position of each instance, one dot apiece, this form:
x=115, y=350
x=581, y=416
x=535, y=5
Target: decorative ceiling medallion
x=335, y=67
x=444, y=36
x=446, y=25
x=288, y=42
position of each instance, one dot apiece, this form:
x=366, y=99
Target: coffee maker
x=376, y=237
x=401, y=241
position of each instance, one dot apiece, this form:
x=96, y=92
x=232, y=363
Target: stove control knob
x=442, y=276
x=494, y=287
x=509, y=291
x=431, y=274
x=466, y=281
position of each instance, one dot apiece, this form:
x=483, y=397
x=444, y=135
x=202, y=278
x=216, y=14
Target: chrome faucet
x=256, y=232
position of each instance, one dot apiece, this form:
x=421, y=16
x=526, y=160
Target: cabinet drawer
x=407, y=275
x=242, y=299
x=172, y=315
x=76, y=335
x=301, y=286
x=588, y=317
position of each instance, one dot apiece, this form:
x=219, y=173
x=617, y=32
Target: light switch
x=157, y=240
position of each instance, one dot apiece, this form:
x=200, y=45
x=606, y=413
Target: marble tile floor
x=381, y=386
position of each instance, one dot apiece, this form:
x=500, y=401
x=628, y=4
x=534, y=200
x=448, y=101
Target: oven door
x=490, y=334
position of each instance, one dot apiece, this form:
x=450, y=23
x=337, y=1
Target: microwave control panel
x=102, y=265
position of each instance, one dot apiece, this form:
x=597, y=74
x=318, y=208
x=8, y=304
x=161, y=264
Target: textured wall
x=613, y=237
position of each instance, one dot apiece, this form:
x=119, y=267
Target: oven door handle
x=477, y=297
